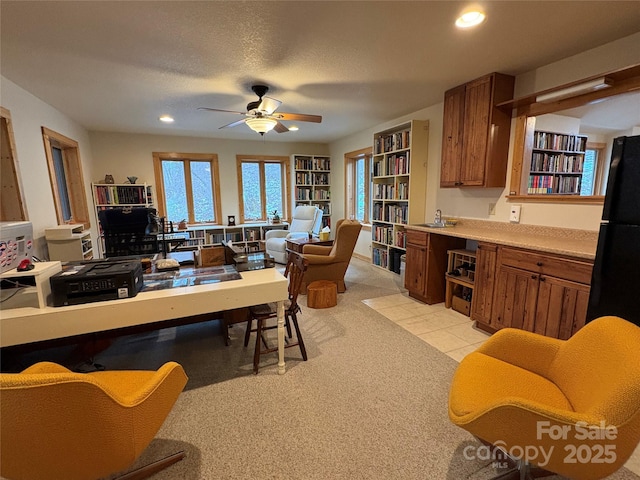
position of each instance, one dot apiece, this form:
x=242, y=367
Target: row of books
x=390, y=213
x=382, y=234
x=380, y=257
x=386, y=191
x=545, y=184
x=397, y=164
x=391, y=142
x=557, y=162
x=116, y=195
x=325, y=207
x=559, y=141
x=307, y=178
x=303, y=193
x=312, y=163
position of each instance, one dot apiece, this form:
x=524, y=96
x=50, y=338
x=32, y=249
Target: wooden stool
x=322, y=294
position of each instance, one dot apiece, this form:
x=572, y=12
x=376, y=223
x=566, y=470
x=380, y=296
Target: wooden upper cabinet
x=452, y=138
x=475, y=142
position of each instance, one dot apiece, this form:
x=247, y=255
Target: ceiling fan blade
x=218, y=110
x=269, y=105
x=234, y=124
x=280, y=128
x=300, y=117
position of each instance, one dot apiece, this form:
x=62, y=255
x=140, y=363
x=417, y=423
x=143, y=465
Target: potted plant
x=275, y=218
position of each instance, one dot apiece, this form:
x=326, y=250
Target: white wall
x=28, y=115
x=475, y=202
x=123, y=155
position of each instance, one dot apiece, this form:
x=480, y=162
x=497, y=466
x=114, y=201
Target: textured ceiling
x=118, y=66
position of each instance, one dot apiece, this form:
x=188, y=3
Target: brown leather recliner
x=331, y=262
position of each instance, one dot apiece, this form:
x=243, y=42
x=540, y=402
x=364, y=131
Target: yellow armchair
x=571, y=407
x=57, y=424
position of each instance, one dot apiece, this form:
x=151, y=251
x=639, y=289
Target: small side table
x=297, y=244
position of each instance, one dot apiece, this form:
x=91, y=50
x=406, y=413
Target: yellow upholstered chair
x=577, y=400
x=331, y=262
x=57, y=424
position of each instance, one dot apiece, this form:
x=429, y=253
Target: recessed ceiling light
x=293, y=128
x=470, y=18
x=166, y=119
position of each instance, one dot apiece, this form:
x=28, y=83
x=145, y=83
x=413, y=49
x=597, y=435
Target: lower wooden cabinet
x=537, y=292
x=482, y=300
x=426, y=264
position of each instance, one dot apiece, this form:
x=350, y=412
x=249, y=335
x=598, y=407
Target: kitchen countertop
x=562, y=241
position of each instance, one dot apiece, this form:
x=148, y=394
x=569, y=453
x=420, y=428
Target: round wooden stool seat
x=322, y=294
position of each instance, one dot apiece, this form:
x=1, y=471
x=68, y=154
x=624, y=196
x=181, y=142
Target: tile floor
x=445, y=329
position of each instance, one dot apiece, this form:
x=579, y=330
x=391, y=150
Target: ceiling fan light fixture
x=294, y=128
x=261, y=125
x=166, y=119
x=470, y=18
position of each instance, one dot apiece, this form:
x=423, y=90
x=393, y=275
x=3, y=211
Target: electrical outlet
x=492, y=209
x=514, y=215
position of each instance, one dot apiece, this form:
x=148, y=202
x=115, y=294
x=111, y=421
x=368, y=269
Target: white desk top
x=25, y=325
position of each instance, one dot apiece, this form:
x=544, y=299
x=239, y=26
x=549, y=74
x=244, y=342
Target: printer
x=95, y=282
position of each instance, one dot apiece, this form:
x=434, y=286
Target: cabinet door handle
x=533, y=277
x=542, y=279
x=539, y=264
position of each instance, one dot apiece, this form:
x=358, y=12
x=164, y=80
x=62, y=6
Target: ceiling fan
x=261, y=116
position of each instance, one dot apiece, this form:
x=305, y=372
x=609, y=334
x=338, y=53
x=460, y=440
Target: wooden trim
x=73, y=173
x=186, y=158
x=552, y=198
x=526, y=109
x=13, y=202
x=349, y=176
x=285, y=178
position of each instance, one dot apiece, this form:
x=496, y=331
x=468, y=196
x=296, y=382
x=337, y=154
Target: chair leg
x=152, y=468
x=303, y=350
x=247, y=333
x=256, y=353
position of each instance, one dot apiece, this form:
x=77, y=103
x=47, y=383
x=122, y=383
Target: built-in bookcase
x=399, y=179
x=557, y=163
x=313, y=183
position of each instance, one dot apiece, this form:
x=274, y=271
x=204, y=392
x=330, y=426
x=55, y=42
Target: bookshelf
x=557, y=163
x=399, y=179
x=248, y=236
x=119, y=195
x=313, y=183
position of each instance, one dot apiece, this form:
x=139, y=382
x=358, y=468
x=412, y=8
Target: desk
x=25, y=325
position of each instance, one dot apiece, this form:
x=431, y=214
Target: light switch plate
x=514, y=215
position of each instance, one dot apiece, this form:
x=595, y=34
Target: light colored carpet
x=370, y=403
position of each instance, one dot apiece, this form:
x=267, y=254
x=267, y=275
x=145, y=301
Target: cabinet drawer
x=574, y=270
x=417, y=238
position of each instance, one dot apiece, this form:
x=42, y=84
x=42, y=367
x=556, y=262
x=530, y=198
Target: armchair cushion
x=518, y=386
x=66, y=425
x=330, y=263
x=305, y=219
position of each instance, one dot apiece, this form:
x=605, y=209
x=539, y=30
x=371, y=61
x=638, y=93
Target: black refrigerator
x=615, y=282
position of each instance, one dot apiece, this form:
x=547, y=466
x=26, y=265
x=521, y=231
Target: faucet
x=438, y=218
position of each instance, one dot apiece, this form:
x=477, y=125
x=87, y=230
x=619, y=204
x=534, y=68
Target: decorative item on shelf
x=231, y=220
x=108, y=179
x=132, y=180
x=182, y=225
x=275, y=217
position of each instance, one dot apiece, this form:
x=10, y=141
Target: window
x=358, y=179
x=263, y=187
x=188, y=187
x=593, y=170
x=65, y=174
x=12, y=205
